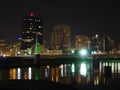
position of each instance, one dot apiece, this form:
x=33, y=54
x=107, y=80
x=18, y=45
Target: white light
x=83, y=52
x=18, y=52
x=61, y=69
x=4, y=55
x=19, y=73
x=73, y=68
x=29, y=73
x=73, y=51
x=83, y=69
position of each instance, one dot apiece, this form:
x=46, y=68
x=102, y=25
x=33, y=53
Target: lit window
x=40, y=26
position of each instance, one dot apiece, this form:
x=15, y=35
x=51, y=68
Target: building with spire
x=32, y=31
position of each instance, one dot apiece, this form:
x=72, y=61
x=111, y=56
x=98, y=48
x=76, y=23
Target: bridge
x=106, y=56
x=42, y=60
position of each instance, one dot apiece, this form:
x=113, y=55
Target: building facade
x=102, y=43
x=32, y=31
x=61, y=37
x=82, y=41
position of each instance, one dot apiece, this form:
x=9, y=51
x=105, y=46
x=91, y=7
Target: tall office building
x=32, y=31
x=102, y=43
x=61, y=37
x=108, y=43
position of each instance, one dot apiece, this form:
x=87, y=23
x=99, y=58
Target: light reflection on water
x=64, y=73
x=79, y=73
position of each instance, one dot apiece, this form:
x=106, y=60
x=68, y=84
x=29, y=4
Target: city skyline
x=84, y=17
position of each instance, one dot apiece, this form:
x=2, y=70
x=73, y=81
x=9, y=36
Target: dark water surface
x=83, y=75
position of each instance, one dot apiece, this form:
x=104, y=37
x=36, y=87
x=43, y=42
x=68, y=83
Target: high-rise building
x=32, y=31
x=61, y=37
x=108, y=43
x=102, y=43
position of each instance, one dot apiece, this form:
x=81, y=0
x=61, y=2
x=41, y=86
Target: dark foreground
x=45, y=85
x=33, y=85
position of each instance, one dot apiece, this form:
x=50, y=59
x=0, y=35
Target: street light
x=83, y=53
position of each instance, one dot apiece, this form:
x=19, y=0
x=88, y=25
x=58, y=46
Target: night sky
x=88, y=17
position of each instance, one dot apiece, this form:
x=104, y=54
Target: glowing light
x=4, y=55
x=65, y=70
x=14, y=73
x=29, y=73
x=118, y=67
x=36, y=75
x=19, y=38
x=83, y=52
x=73, y=51
x=61, y=69
x=113, y=67
x=19, y=73
x=73, y=68
x=31, y=14
x=47, y=71
x=83, y=69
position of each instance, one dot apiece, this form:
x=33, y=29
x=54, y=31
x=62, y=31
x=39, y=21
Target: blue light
x=20, y=39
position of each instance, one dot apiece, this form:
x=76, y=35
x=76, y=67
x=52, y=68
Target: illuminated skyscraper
x=61, y=37
x=32, y=30
x=108, y=43
x=102, y=43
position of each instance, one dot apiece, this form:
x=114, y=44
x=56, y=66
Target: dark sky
x=87, y=17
